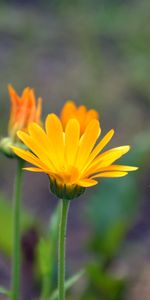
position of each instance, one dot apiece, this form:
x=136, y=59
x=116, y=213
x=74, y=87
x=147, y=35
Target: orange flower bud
x=24, y=110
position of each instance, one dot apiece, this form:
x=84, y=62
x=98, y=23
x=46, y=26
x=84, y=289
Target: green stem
x=61, y=249
x=16, y=261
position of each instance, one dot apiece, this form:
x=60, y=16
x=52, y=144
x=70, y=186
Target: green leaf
x=68, y=284
x=47, y=245
x=4, y=292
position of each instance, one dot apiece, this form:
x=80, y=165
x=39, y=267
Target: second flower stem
x=62, y=248
x=16, y=233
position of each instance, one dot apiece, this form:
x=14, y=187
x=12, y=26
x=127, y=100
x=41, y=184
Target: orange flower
x=84, y=116
x=23, y=110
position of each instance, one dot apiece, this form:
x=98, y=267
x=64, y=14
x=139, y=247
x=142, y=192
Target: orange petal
x=38, y=110
x=91, y=114
x=67, y=112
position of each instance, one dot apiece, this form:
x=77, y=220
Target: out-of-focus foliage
x=47, y=253
x=3, y=291
x=6, y=225
x=102, y=285
x=112, y=211
x=115, y=203
x=69, y=283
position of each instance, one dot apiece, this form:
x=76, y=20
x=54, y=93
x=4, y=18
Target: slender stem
x=16, y=261
x=61, y=249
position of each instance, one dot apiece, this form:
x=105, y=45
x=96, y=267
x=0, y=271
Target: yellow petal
x=35, y=147
x=106, y=159
x=55, y=134
x=39, y=135
x=72, y=135
x=102, y=144
x=87, y=182
x=110, y=174
x=29, y=157
x=118, y=168
x=36, y=170
x=87, y=143
x=99, y=147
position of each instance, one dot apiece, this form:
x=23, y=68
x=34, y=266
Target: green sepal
x=5, y=147
x=63, y=191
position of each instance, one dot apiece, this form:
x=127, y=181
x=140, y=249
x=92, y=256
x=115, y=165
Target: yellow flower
x=23, y=110
x=71, y=162
x=84, y=116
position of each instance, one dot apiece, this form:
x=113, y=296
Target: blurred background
x=98, y=54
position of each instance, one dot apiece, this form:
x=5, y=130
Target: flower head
x=84, y=116
x=23, y=110
x=71, y=162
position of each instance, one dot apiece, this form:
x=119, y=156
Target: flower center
x=68, y=176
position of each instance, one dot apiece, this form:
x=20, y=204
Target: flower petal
x=29, y=157
x=91, y=114
x=118, y=168
x=110, y=174
x=39, y=135
x=99, y=147
x=87, y=182
x=55, y=134
x=35, y=148
x=68, y=112
x=38, y=170
x=87, y=143
x=106, y=159
x=72, y=135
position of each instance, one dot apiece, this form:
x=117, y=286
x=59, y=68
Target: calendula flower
x=72, y=162
x=84, y=116
x=23, y=111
